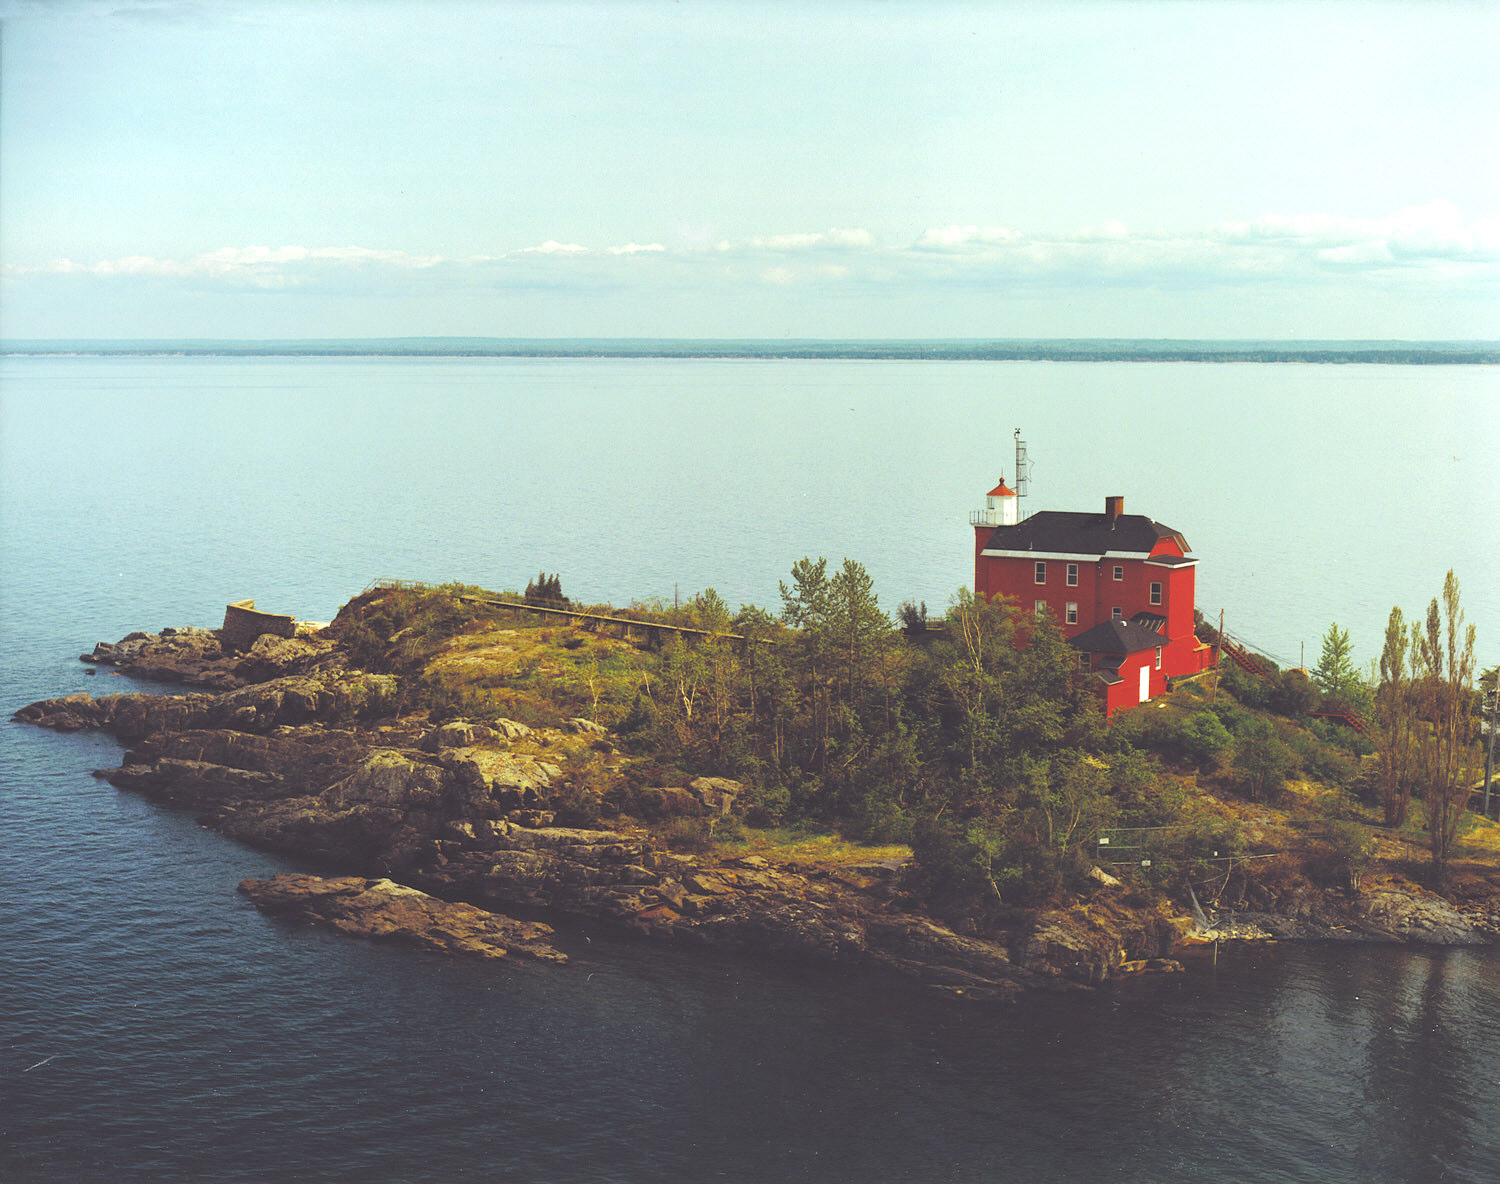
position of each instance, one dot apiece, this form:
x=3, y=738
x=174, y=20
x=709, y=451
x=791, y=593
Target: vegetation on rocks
x=943, y=799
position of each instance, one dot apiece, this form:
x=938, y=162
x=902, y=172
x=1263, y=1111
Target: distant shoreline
x=942, y=350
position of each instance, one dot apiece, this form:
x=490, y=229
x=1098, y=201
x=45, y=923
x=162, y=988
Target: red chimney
x=1113, y=508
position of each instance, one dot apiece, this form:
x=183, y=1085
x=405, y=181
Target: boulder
x=458, y=733
x=510, y=729
x=483, y=779
x=1419, y=917
x=718, y=794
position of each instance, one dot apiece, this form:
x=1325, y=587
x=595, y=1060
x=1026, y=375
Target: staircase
x=1243, y=657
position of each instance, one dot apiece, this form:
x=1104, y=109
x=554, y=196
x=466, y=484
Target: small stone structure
x=243, y=624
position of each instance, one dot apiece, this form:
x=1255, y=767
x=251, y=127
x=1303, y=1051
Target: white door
x=1145, y=683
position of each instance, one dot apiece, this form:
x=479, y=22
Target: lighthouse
x=1000, y=509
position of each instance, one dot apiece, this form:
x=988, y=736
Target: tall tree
x=1447, y=753
x=1335, y=675
x=1395, y=717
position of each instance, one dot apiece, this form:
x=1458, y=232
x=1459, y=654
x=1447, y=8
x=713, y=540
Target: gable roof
x=1119, y=637
x=1064, y=532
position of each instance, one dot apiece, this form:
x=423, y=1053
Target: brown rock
x=386, y=910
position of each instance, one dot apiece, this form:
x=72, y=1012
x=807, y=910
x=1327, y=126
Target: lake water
x=155, y=1028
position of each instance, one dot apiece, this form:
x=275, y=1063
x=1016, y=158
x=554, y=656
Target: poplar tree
x=1395, y=717
x=1446, y=750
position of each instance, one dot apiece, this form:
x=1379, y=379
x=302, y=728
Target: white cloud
x=843, y=238
x=958, y=238
x=1431, y=243
x=553, y=247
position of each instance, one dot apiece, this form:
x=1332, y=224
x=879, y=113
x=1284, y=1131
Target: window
x=1158, y=657
x=1119, y=572
x=1041, y=609
x=1155, y=593
x=1041, y=572
x=1072, y=575
x=1083, y=662
x=1072, y=613
x=1116, y=614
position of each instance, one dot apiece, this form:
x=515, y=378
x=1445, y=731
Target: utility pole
x=1492, y=703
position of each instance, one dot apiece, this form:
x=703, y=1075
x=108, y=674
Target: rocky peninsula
x=445, y=833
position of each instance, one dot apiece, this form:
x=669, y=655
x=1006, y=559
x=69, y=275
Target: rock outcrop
x=312, y=759
x=387, y=911
x=199, y=658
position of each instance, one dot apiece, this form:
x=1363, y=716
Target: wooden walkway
x=652, y=629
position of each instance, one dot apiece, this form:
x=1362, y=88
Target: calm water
x=153, y=1027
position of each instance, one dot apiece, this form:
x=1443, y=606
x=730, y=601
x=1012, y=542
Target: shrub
x=1293, y=694
x=1263, y=762
x=546, y=589
x=692, y=836
x=1204, y=738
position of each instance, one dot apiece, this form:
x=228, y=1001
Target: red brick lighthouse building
x=1119, y=585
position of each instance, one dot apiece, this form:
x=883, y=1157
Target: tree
x=1335, y=673
x=1263, y=762
x=1337, y=677
x=546, y=589
x=1395, y=718
x=1446, y=752
x=975, y=668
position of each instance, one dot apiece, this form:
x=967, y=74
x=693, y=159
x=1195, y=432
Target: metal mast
x=1023, y=470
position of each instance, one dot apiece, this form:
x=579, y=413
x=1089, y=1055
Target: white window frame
x=1071, y=615
x=1041, y=609
x=1084, y=664
x=1158, y=657
x=1039, y=574
x=1117, y=613
x=1072, y=575
x=1119, y=572
x=1155, y=591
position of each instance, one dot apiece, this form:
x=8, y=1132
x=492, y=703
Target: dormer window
x=1041, y=572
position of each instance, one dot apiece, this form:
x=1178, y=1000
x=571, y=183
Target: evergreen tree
x=1335, y=675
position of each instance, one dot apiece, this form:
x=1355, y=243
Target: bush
x=1348, y=850
x=1244, y=686
x=1204, y=738
x=1263, y=762
x=1293, y=694
x=692, y=836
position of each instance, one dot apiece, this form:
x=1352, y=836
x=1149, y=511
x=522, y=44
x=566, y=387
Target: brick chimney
x=1113, y=508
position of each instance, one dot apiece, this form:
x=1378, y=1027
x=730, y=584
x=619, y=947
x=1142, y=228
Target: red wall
x=1097, y=593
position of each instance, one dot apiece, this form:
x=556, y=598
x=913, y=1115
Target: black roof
x=1072, y=533
x=1119, y=637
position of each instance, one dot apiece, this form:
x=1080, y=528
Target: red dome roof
x=1001, y=490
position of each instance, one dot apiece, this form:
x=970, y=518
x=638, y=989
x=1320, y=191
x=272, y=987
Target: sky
x=259, y=169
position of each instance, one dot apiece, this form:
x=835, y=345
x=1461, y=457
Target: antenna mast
x=1023, y=469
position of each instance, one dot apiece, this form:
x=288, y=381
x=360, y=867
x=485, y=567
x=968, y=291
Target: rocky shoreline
x=438, y=834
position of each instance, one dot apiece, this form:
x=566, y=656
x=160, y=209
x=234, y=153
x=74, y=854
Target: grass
x=805, y=845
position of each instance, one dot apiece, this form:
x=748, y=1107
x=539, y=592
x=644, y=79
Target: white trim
x=1091, y=557
x=1095, y=557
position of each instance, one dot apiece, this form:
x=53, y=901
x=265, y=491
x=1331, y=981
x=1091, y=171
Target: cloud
x=960, y=238
x=1431, y=243
x=852, y=238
